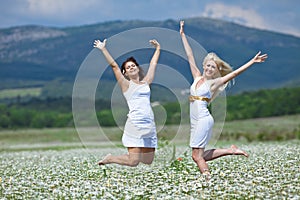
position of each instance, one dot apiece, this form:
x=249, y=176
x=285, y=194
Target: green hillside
x=34, y=55
x=57, y=112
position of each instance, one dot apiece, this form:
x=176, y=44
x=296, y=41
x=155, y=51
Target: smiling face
x=210, y=69
x=214, y=66
x=131, y=69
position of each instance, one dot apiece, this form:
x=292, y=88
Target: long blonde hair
x=223, y=67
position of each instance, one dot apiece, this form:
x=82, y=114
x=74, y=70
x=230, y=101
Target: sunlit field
x=271, y=171
x=54, y=164
x=11, y=93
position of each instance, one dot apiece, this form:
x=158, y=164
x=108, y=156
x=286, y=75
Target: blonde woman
x=216, y=74
x=139, y=135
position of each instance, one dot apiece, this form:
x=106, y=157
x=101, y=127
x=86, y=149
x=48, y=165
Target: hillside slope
x=38, y=55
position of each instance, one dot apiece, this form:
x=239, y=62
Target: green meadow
x=250, y=130
x=20, y=92
x=59, y=163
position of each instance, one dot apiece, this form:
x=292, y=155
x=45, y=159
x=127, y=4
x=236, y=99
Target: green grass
x=62, y=164
x=271, y=172
x=281, y=123
x=11, y=93
x=274, y=129
x=263, y=129
x=56, y=138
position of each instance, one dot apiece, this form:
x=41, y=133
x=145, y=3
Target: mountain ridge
x=39, y=53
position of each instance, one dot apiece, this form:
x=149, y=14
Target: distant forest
x=57, y=112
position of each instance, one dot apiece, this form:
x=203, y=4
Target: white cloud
x=56, y=9
x=235, y=14
x=268, y=14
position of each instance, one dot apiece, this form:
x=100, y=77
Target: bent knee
x=197, y=158
x=147, y=161
x=134, y=162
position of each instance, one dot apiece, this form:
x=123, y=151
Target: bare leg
x=197, y=155
x=131, y=159
x=212, y=154
x=147, y=155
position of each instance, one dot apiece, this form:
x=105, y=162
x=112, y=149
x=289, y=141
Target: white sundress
x=140, y=129
x=200, y=118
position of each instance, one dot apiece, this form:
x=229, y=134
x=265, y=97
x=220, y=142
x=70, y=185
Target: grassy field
x=271, y=172
x=241, y=131
x=60, y=164
x=11, y=93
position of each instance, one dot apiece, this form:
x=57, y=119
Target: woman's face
x=131, y=69
x=210, y=69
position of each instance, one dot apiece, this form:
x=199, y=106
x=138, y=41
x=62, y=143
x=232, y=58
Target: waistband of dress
x=193, y=98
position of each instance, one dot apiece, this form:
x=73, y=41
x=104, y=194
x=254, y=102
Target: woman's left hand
x=181, y=27
x=259, y=58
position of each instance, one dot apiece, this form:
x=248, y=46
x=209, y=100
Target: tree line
x=57, y=112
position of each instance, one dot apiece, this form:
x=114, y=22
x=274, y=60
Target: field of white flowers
x=271, y=172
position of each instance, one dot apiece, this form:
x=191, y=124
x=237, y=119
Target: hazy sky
x=277, y=15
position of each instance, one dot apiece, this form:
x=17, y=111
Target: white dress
x=140, y=129
x=200, y=118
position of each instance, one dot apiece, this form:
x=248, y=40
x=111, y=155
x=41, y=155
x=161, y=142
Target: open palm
x=260, y=58
x=100, y=45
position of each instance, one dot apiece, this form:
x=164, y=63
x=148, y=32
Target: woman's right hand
x=154, y=43
x=181, y=27
x=100, y=45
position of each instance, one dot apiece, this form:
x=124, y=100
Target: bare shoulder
x=213, y=81
x=124, y=84
x=215, y=84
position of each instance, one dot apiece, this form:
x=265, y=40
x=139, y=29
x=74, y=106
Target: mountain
x=37, y=55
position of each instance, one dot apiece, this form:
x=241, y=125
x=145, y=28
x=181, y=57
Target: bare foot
x=104, y=161
x=237, y=151
x=206, y=175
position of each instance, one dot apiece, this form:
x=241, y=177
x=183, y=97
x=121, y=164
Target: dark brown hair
x=132, y=59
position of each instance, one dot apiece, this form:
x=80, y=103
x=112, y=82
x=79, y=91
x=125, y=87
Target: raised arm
x=115, y=67
x=258, y=58
x=153, y=63
x=188, y=50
